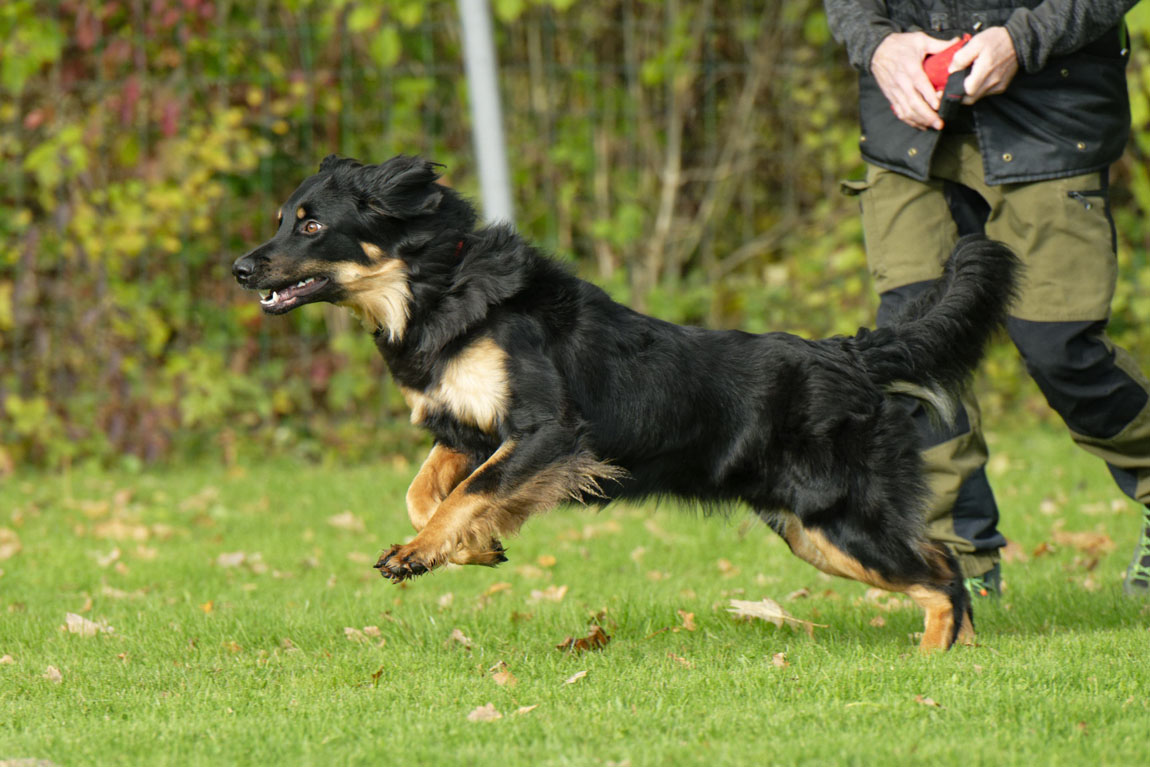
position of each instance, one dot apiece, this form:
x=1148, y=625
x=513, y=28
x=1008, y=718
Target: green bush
x=686, y=156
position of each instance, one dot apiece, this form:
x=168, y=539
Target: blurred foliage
x=686, y=155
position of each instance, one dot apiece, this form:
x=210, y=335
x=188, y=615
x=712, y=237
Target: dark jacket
x=1065, y=113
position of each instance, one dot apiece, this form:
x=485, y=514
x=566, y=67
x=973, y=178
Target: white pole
x=486, y=112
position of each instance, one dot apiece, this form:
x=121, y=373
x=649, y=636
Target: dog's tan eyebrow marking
x=373, y=251
x=300, y=213
x=279, y=215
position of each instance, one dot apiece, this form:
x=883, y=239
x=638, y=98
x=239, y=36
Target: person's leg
x=1063, y=233
x=910, y=231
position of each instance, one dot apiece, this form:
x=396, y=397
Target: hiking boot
x=1137, y=583
x=989, y=584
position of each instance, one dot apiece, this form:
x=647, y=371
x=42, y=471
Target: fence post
x=486, y=111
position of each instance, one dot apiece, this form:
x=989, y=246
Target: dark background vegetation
x=686, y=155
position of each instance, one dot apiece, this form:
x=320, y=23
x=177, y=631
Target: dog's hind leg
x=441, y=473
x=926, y=572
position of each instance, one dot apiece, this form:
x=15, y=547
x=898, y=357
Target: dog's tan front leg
x=441, y=473
x=458, y=530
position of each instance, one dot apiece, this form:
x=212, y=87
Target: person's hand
x=994, y=60
x=897, y=66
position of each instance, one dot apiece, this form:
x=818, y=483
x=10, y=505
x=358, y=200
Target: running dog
x=539, y=389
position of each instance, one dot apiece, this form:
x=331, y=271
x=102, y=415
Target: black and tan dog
x=540, y=389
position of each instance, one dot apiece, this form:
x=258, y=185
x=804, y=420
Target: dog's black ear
x=333, y=162
x=402, y=187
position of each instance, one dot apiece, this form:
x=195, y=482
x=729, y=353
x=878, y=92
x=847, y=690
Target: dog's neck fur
x=451, y=290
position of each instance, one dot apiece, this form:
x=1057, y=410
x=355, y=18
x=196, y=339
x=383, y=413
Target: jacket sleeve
x=1058, y=27
x=860, y=25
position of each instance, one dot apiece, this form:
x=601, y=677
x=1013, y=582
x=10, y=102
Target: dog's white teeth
x=305, y=283
x=264, y=294
x=269, y=300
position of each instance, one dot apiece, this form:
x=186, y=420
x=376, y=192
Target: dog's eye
x=312, y=227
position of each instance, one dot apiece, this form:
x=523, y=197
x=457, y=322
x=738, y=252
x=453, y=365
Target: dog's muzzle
x=243, y=269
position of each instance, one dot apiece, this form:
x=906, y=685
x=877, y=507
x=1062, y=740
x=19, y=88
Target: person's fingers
x=933, y=45
x=965, y=55
x=975, y=84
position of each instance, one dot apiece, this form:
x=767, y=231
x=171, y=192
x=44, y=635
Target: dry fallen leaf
x=108, y=559
x=550, y=594
x=1041, y=550
x=926, y=701
x=878, y=621
x=231, y=559
x=504, y=678
x=52, y=674
x=7, y=660
x=575, y=677
x=771, y=611
x=1013, y=552
x=802, y=593
x=347, y=521
x=445, y=601
x=596, y=639
x=525, y=709
x=546, y=560
x=779, y=660
x=688, y=620
x=1090, y=542
x=78, y=624
x=207, y=607
x=9, y=543
x=460, y=638
x=530, y=571
x=495, y=588
x=680, y=660
x=486, y=713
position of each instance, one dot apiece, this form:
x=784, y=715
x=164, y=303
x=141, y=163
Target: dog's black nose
x=243, y=268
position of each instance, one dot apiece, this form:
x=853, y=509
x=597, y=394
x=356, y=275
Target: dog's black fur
x=600, y=402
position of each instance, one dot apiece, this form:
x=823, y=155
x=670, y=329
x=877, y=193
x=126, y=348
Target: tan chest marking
x=378, y=294
x=473, y=388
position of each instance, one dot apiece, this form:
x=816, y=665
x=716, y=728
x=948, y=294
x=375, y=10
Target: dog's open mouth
x=290, y=296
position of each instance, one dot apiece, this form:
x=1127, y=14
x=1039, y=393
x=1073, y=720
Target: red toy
x=935, y=65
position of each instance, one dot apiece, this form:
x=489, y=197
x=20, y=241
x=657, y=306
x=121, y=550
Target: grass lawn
x=246, y=626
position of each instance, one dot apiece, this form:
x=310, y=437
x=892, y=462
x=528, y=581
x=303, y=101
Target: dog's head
x=347, y=235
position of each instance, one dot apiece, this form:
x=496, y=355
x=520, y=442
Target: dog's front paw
x=492, y=555
x=399, y=563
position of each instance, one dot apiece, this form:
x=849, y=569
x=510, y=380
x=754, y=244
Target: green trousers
x=1062, y=231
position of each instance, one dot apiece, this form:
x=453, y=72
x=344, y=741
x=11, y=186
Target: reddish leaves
x=596, y=639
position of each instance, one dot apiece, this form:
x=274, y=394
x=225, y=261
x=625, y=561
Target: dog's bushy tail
x=937, y=340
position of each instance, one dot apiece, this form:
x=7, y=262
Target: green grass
x=266, y=674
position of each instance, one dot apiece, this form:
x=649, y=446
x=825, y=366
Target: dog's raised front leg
x=441, y=473
x=518, y=480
